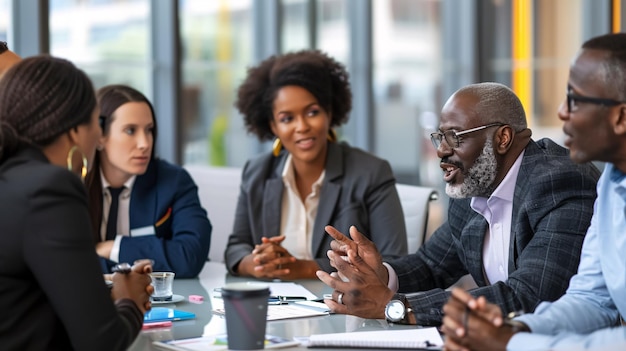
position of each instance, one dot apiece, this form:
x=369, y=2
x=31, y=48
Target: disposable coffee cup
x=245, y=305
x=162, y=283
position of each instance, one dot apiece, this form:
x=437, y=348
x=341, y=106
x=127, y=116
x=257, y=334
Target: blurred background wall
x=405, y=58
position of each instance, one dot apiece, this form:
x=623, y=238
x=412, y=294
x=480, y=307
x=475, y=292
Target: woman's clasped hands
x=134, y=285
x=270, y=259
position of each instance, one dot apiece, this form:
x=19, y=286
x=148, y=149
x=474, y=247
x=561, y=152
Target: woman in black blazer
x=52, y=292
x=309, y=180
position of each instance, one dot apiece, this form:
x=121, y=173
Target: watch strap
x=407, y=307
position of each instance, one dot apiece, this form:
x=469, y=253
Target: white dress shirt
x=123, y=214
x=298, y=218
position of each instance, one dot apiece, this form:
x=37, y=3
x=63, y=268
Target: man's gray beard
x=479, y=178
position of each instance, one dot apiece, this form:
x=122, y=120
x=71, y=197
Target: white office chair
x=415, y=202
x=218, y=189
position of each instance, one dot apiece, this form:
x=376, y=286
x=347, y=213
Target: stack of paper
x=299, y=309
x=277, y=312
x=421, y=338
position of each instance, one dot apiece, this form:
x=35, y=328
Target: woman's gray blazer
x=358, y=189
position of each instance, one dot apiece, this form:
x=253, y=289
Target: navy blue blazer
x=167, y=222
x=552, y=208
x=358, y=189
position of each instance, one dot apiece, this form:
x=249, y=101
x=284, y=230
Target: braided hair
x=41, y=98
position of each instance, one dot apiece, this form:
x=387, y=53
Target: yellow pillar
x=522, y=54
x=616, y=17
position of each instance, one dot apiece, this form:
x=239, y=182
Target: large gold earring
x=332, y=136
x=70, y=157
x=276, y=147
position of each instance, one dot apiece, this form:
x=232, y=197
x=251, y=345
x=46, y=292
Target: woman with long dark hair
x=142, y=206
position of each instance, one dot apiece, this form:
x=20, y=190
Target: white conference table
x=214, y=275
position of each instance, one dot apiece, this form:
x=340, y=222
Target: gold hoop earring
x=276, y=147
x=332, y=136
x=70, y=157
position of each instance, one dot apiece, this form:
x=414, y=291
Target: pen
x=288, y=298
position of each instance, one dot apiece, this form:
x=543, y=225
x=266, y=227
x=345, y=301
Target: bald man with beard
x=590, y=316
x=517, y=217
x=7, y=58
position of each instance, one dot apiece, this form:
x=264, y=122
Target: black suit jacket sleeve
x=552, y=209
x=59, y=253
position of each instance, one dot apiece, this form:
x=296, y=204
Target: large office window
x=333, y=29
x=558, y=32
x=5, y=20
x=528, y=46
x=296, y=21
x=216, y=49
x=416, y=51
x=336, y=21
x=109, y=39
x=407, y=78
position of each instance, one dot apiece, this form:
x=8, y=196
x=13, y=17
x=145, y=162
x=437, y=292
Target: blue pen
x=287, y=298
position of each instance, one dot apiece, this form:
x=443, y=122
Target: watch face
x=395, y=311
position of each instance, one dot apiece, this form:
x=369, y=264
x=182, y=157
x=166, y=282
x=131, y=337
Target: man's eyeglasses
x=453, y=138
x=572, y=99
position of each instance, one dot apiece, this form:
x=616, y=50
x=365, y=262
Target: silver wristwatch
x=397, y=309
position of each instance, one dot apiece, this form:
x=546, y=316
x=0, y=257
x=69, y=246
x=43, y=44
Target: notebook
x=418, y=338
x=159, y=314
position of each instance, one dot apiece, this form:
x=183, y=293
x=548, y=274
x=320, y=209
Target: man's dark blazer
x=358, y=189
x=52, y=295
x=167, y=222
x=552, y=208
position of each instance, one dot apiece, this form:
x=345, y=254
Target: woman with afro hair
x=309, y=180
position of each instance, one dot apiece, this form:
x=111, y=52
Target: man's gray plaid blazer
x=552, y=208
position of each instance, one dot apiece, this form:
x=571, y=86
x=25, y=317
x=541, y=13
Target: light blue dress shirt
x=597, y=293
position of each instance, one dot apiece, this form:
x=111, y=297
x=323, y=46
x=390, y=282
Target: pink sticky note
x=196, y=298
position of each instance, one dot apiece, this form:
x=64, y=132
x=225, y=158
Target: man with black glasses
x=594, y=121
x=516, y=220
